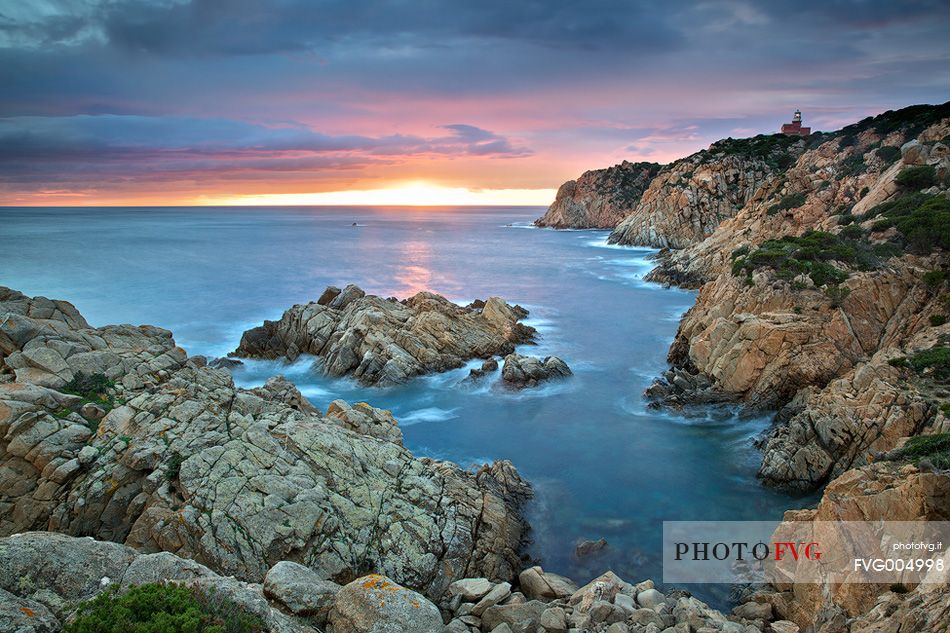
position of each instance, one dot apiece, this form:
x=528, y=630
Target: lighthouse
x=795, y=127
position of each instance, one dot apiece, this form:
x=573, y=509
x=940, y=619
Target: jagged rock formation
x=600, y=198
x=816, y=338
x=884, y=491
x=384, y=341
x=527, y=371
x=183, y=461
x=690, y=197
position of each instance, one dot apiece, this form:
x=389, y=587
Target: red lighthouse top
x=795, y=127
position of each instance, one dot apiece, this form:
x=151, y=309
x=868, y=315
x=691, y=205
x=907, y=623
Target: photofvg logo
x=906, y=552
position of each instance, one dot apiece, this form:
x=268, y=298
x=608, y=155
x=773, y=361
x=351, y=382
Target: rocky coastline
x=124, y=462
x=383, y=342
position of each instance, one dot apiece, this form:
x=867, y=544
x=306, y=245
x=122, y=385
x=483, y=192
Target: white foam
x=426, y=414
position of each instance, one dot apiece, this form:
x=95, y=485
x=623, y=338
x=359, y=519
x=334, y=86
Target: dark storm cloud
x=242, y=27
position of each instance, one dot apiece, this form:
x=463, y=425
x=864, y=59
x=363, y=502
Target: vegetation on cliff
x=162, y=608
x=922, y=221
x=810, y=254
x=927, y=449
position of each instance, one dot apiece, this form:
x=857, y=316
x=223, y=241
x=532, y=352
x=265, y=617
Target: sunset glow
x=140, y=103
x=414, y=194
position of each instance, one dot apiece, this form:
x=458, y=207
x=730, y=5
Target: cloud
x=243, y=89
x=48, y=149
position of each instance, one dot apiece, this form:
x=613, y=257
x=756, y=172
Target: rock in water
x=585, y=548
x=375, y=604
x=236, y=479
x=385, y=342
x=527, y=371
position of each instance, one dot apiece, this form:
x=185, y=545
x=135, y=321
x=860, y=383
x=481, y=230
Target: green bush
x=90, y=387
x=917, y=177
x=923, y=221
x=935, y=359
x=775, y=149
x=912, y=120
x=162, y=608
x=934, y=448
x=852, y=165
x=809, y=254
x=888, y=153
x=934, y=278
x=837, y=295
x=790, y=201
x=937, y=319
x=852, y=232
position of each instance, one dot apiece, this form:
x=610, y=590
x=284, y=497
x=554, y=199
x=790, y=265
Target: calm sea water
x=602, y=463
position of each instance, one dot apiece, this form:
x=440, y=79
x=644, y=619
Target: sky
x=170, y=102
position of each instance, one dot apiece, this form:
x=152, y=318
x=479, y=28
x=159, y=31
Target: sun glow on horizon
x=413, y=194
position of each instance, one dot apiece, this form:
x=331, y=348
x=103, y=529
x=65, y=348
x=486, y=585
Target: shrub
x=935, y=359
x=774, y=149
x=162, y=608
x=934, y=278
x=837, y=295
x=790, y=201
x=173, y=467
x=809, y=254
x=934, y=448
x=937, y=319
x=923, y=221
x=90, y=387
x=917, y=177
x=852, y=165
x=888, y=153
x=852, y=232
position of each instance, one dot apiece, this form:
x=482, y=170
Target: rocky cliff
x=830, y=272
x=385, y=341
x=115, y=433
x=690, y=197
x=600, y=198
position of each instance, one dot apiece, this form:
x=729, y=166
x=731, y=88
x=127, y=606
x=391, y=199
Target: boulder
x=554, y=620
x=20, y=615
x=521, y=618
x=527, y=371
x=300, y=590
x=602, y=588
x=376, y=604
x=497, y=594
x=537, y=584
x=470, y=589
x=754, y=611
x=650, y=598
x=587, y=547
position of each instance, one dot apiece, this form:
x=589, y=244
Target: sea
x=603, y=464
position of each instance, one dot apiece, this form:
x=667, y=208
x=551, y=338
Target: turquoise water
x=602, y=463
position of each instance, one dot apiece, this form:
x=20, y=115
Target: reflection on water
x=602, y=463
x=415, y=274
